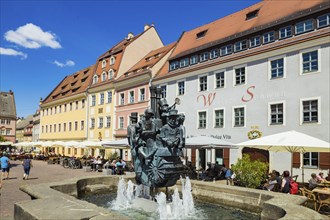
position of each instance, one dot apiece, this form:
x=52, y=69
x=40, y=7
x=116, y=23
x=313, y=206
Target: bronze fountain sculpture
x=157, y=143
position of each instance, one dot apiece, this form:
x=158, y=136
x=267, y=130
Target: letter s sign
x=249, y=93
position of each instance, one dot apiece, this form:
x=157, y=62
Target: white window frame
x=95, y=79
x=268, y=37
x=304, y=26
x=328, y=20
x=197, y=116
x=224, y=117
x=285, y=28
x=238, y=46
x=108, y=121
x=82, y=125
x=233, y=116
x=100, y=122
x=104, y=63
x=193, y=58
x=301, y=68
x=76, y=125
x=121, y=99
x=204, y=56
x=131, y=98
x=93, y=100
x=92, y=123
x=234, y=74
x=269, y=113
x=215, y=78
x=110, y=73
x=178, y=88
x=112, y=60
x=174, y=65
x=140, y=94
x=319, y=107
x=103, y=76
x=121, y=123
x=109, y=98
x=166, y=93
x=184, y=62
x=207, y=82
x=226, y=50
x=214, y=53
x=270, y=67
x=101, y=96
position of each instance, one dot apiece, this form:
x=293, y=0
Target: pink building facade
x=8, y=116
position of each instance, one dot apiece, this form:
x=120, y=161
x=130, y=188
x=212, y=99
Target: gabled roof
x=117, y=51
x=7, y=105
x=71, y=85
x=147, y=62
x=253, y=18
x=25, y=122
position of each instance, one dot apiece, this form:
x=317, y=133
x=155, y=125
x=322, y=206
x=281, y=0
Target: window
x=104, y=76
x=310, y=62
x=304, y=26
x=75, y=125
x=100, y=122
x=202, y=120
x=93, y=100
x=193, y=59
x=92, y=122
x=122, y=99
x=8, y=122
x=108, y=122
x=310, y=111
x=163, y=91
x=121, y=122
x=64, y=107
x=77, y=105
x=323, y=20
x=184, y=62
x=110, y=74
x=240, y=76
x=239, y=117
x=142, y=94
x=46, y=128
x=277, y=68
x=82, y=125
x=226, y=50
x=252, y=14
x=214, y=53
x=241, y=45
x=3, y=121
x=109, y=96
x=203, y=56
x=219, y=118
x=255, y=41
x=201, y=34
x=101, y=98
x=55, y=110
x=50, y=128
x=64, y=127
x=70, y=126
x=174, y=65
x=220, y=80
x=94, y=79
x=59, y=127
x=83, y=103
x=203, y=83
x=104, y=62
x=311, y=159
x=285, y=32
x=8, y=131
x=131, y=97
x=181, y=88
x=112, y=60
x=54, y=128
x=60, y=109
x=269, y=37
x=276, y=114
x=42, y=129
x=70, y=106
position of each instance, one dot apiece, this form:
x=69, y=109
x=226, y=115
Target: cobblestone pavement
x=41, y=172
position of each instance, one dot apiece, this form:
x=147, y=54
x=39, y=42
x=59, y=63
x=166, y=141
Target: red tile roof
x=147, y=62
x=71, y=85
x=268, y=11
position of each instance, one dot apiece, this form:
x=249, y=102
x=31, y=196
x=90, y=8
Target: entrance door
x=202, y=155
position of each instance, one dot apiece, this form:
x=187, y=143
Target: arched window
x=104, y=76
x=112, y=60
x=94, y=79
x=104, y=62
x=110, y=74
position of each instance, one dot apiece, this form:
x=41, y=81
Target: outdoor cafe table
x=323, y=196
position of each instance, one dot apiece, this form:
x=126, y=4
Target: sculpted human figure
x=163, y=110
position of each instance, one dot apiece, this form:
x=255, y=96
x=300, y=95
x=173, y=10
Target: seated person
x=328, y=177
x=320, y=177
x=313, y=182
x=269, y=185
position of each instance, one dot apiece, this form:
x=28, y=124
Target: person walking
x=27, y=164
x=5, y=164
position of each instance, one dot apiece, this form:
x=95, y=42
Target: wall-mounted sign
x=253, y=134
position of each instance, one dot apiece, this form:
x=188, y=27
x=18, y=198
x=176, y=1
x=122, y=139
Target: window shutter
x=296, y=160
x=226, y=156
x=324, y=161
x=193, y=157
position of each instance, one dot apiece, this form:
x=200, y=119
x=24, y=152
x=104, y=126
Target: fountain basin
x=60, y=200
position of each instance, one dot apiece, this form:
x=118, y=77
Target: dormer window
x=104, y=62
x=174, y=65
x=104, y=76
x=112, y=60
x=201, y=34
x=95, y=78
x=252, y=14
x=110, y=74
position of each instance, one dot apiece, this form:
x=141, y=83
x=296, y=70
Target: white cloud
x=12, y=52
x=67, y=63
x=32, y=36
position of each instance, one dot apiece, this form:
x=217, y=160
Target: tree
x=250, y=173
x=2, y=139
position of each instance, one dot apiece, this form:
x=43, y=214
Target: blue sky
x=44, y=41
